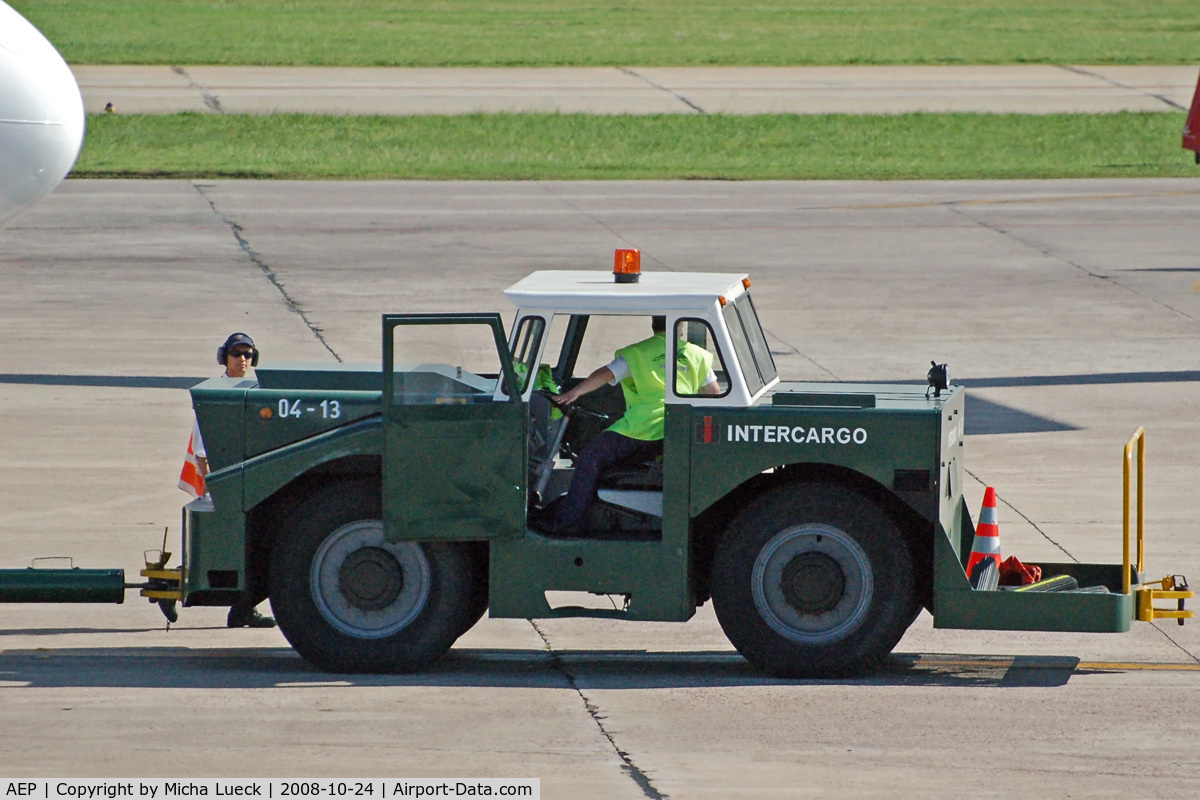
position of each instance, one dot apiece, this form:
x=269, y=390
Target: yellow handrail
x=1139, y=437
x=1172, y=587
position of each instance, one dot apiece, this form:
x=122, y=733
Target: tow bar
x=70, y=584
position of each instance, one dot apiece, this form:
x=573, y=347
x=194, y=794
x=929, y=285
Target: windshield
x=749, y=343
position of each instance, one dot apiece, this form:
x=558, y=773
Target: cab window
x=526, y=342
x=442, y=360
x=696, y=348
x=605, y=335
x=749, y=343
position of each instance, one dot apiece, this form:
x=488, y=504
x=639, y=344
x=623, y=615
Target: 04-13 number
x=330, y=409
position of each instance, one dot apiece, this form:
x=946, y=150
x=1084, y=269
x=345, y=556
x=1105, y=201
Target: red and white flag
x=190, y=480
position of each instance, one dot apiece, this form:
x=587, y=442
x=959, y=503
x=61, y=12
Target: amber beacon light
x=627, y=265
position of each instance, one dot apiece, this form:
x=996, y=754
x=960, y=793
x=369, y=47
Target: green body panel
x=890, y=430
x=220, y=405
x=951, y=547
x=266, y=474
x=241, y=419
x=214, y=549
x=320, y=376
x=214, y=529
x=454, y=465
x=1028, y=611
x=319, y=412
x=454, y=471
x=957, y=605
x=655, y=575
x=796, y=396
x=523, y=570
x=674, y=583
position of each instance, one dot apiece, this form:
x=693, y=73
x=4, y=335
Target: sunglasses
x=241, y=354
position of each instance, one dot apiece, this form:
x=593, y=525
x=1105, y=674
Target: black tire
x=349, y=601
x=477, y=604
x=813, y=581
x=917, y=608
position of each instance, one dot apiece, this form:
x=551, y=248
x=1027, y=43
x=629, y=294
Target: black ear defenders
x=235, y=339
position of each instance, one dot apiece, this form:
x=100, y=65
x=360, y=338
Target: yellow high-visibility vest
x=646, y=387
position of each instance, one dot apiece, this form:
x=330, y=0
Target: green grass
x=576, y=146
x=619, y=32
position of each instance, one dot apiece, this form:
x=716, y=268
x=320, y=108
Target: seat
x=639, y=475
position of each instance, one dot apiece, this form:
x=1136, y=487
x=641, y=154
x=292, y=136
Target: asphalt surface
x=1070, y=309
x=1027, y=89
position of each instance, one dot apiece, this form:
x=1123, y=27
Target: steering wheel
x=574, y=409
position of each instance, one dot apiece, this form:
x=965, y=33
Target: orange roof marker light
x=627, y=265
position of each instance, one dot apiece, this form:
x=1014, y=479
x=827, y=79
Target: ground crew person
x=238, y=354
x=637, y=436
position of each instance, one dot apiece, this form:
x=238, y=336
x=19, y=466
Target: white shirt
x=198, y=441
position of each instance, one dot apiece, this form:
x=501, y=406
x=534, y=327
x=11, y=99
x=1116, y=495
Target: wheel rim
x=812, y=583
x=367, y=587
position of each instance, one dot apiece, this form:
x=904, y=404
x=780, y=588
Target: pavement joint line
x=266, y=270
x=210, y=99
x=796, y=351
x=660, y=87
x=1119, y=85
x=1022, y=516
x=1108, y=279
x=1171, y=639
x=578, y=209
x=631, y=769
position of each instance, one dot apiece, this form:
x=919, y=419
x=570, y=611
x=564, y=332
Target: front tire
x=350, y=601
x=813, y=581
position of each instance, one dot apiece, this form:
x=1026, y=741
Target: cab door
x=454, y=441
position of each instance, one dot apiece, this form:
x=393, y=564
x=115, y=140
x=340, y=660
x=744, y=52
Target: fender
x=214, y=547
x=264, y=475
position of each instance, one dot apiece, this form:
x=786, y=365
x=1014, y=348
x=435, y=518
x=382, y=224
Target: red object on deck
x=1191, y=128
x=1014, y=573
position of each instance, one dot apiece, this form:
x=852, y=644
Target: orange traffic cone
x=987, y=533
x=190, y=479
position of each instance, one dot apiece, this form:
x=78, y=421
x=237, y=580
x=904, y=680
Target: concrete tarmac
x=1025, y=89
x=1070, y=310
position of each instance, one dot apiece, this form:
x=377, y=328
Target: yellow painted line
x=1059, y=663
x=313, y=685
x=1196, y=286
x=1122, y=665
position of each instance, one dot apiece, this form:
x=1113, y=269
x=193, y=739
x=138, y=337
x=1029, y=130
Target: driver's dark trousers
x=606, y=450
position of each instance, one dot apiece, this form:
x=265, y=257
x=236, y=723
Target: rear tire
x=350, y=601
x=813, y=581
x=478, y=554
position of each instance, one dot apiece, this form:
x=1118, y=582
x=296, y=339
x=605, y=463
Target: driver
x=637, y=436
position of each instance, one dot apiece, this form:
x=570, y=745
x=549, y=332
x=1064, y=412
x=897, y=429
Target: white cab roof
x=573, y=291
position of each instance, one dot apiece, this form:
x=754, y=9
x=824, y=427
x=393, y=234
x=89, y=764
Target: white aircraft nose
x=41, y=115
